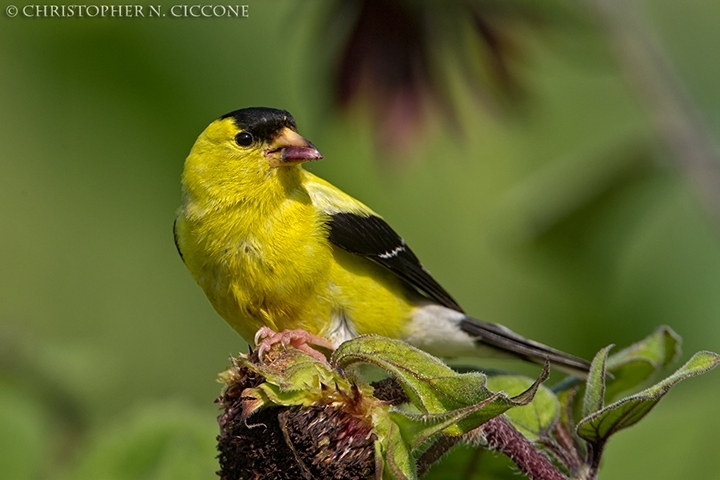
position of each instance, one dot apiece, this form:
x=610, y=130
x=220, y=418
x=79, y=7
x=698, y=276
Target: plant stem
x=435, y=453
x=499, y=435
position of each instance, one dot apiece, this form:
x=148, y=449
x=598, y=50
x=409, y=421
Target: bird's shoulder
x=355, y=228
x=329, y=200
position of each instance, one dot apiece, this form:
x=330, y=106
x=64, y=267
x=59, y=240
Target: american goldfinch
x=272, y=245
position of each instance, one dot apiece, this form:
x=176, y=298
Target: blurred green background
x=567, y=223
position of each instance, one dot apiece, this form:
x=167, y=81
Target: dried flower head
x=326, y=434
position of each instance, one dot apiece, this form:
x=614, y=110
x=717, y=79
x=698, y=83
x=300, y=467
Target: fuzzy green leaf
x=626, y=412
x=294, y=371
x=537, y=416
x=294, y=378
x=398, y=462
x=567, y=400
x=418, y=429
x=636, y=363
x=595, y=384
x=432, y=386
x=449, y=402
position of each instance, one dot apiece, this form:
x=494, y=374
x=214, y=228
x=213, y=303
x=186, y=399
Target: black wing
x=373, y=238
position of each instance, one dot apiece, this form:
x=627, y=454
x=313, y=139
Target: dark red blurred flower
x=399, y=57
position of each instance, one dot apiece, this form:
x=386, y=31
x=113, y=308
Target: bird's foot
x=266, y=337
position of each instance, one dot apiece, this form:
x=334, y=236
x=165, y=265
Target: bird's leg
x=266, y=337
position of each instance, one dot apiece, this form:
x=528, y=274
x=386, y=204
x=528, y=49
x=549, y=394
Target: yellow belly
x=285, y=275
x=366, y=296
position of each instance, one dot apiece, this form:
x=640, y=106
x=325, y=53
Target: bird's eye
x=244, y=139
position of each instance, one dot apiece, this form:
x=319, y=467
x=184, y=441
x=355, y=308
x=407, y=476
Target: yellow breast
x=256, y=243
x=259, y=269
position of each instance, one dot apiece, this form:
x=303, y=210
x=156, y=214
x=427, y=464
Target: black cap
x=262, y=122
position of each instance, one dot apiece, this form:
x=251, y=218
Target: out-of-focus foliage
x=566, y=223
x=404, y=60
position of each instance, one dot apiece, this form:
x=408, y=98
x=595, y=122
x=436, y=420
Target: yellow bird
x=272, y=245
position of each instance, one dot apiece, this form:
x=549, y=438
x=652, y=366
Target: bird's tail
x=506, y=341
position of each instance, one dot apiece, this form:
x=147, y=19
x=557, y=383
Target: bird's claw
x=266, y=337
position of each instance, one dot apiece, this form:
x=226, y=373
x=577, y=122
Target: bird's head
x=242, y=150
x=266, y=131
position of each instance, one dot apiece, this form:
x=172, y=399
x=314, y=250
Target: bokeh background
x=538, y=188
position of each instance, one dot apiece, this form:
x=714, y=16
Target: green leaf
x=659, y=348
x=432, y=386
x=294, y=370
x=450, y=403
x=595, y=384
x=624, y=413
x=291, y=379
x=398, y=462
x=566, y=399
x=418, y=429
x=638, y=362
x=537, y=416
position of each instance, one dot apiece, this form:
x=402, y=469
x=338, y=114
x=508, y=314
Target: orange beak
x=290, y=148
